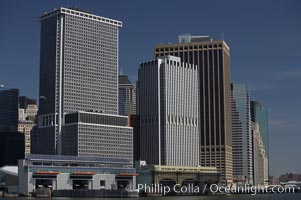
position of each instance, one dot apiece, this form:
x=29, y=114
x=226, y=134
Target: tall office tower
x=134, y=121
x=78, y=70
x=261, y=161
x=241, y=135
x=259, y=114
x=9, y=110
x=213, y=60
x=127, y=96
x=168, y=92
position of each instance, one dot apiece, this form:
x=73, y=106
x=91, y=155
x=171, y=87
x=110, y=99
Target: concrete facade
x=261, y=162
x=156, y=175
x=78, y=68
x=25, y=127
x=168, y=101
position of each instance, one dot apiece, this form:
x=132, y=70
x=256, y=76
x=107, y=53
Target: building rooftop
x=12, y=170
x=123, y=79
x=76, y=159
x=80, y=13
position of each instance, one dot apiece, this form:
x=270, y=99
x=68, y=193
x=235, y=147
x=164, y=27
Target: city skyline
x=284, y=117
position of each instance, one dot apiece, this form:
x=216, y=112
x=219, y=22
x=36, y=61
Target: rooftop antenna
x=121, y=71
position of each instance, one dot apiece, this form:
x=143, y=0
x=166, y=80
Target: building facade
x=241, y=135
x=9, y=109
x=78, y=70
x=168, y=99
x=127, y=96
x=158, y=175
x=261, y=162
x=73, y=173
x=95, y=134
x=213, y=60
x=29, y=107
x=11, y=147
x=134, y=122
x=25, y=127
x=259, y=114
x=28, y=110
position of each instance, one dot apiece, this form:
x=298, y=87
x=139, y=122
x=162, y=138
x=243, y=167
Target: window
x=102, y=183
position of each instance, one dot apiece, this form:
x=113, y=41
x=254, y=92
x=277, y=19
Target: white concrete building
x=261, y=168
x=78, y=73
x=168, y=106
x=74, y=173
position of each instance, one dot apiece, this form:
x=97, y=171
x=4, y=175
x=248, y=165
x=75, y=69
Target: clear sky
x=264, y=38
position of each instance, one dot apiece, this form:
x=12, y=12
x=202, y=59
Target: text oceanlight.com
x=213, y=188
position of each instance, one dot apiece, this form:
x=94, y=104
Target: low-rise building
x=72, y=173
x=160, y=175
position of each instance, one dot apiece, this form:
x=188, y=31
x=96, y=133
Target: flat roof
x=76, y=159
x=83, y=14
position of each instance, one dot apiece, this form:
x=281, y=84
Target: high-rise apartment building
x=127, y=96
x=241, y=135
x=213, y=60
x=9, y=110
x=79, y=73
x=168, y=104
x=261, y=161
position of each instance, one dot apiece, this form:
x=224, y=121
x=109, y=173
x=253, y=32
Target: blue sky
x=264, y=38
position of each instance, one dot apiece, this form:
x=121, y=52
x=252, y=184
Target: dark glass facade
x=259, y=114
x=96, y=118
x=12, y=147
x=9, y=111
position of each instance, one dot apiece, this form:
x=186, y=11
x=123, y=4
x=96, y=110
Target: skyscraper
x=168, y=104
x=213, y=61
x=241, y=135
x=79, y=77
x=261, y=161
x=259, y=114
x=9, y=110
x=127, y=96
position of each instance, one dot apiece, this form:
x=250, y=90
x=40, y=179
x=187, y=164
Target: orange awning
x=84, y=173
x=127, y=174
x=49, y=173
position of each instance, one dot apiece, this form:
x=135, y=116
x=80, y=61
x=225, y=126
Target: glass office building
x=241, y=135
